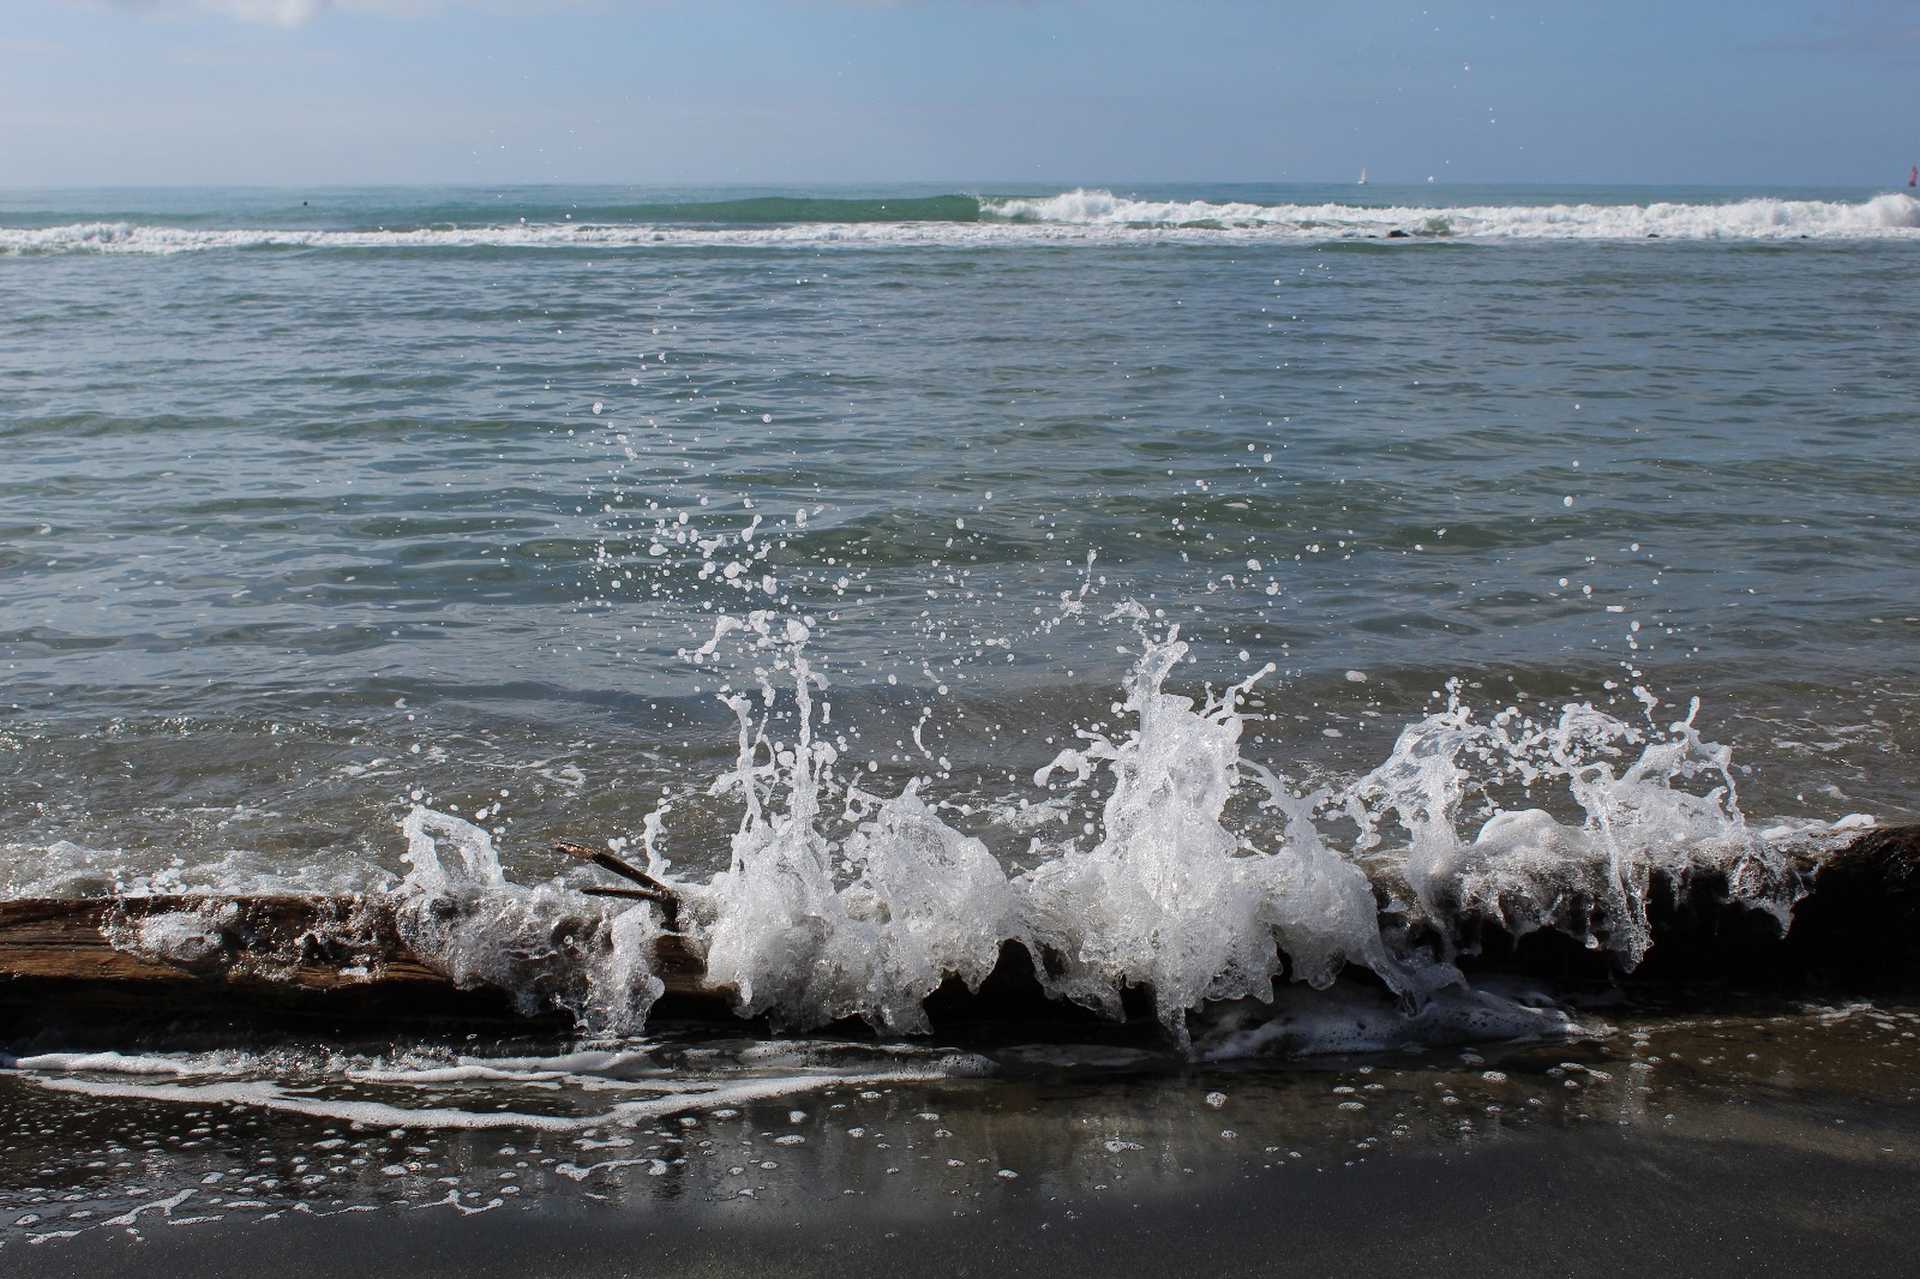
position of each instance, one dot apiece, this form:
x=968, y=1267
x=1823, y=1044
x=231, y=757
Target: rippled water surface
x=291, y=534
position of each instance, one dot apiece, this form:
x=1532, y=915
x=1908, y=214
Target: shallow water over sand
x=146, y=1144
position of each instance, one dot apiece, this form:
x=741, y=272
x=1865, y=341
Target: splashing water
x=1528, y=870
x=925, y=901
x=461, y=915
x=1080, y=216
x=1166, y=899
x=837, y=903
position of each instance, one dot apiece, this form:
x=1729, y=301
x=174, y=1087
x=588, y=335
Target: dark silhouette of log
x=1857, y=926
x=344, y=960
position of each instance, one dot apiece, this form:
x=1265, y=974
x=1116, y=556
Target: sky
x=309, y=92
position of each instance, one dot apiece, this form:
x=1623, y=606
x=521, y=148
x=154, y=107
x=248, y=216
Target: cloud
x=292, y=13
x=277, y=13
x=297, y=13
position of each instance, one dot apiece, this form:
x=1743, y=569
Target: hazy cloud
x=295, y=13
x=279, y=13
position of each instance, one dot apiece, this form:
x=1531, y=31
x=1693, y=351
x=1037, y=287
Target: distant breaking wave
x=1080, y=217
x=1743, y=219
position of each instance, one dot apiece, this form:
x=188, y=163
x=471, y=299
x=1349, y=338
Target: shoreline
x=1579, y=1202
x=1774, y=1142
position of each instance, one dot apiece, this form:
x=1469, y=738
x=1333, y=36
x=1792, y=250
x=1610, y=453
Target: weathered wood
x=629, y=894
x=345, y=957
x=340, y=958
x=650, y=889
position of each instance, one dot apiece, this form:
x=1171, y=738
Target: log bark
x=343, y=960
x=276, y=958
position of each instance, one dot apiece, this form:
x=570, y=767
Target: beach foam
x=545, y=944
x=560, y=1093
x=1080, y=216
x=1893, y=213
x=838, y=903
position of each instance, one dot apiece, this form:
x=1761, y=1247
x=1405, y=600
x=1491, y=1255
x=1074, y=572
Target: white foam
x=863, y=912
x=108, y=1062
x=1524, y=868
x=67, y=869
x=1168, y=898
x=182, y=937
x=546, y=945
x=1892, y=213
x=923, y=902
x=1080, y=216
x=295, y=1097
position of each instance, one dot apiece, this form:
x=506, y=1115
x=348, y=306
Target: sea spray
x=841, y=903
x=1528, y=870
x=924, y=901
x=544, y=945
x=1168, y=898
x=838, y=903
x=1172, y=899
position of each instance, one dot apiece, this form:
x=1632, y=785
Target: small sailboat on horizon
x=1363, y=176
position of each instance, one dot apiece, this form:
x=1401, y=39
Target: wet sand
x=1775, y=1139
x=1764, y=1201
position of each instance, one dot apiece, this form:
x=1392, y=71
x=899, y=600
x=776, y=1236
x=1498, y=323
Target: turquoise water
x=316, y=502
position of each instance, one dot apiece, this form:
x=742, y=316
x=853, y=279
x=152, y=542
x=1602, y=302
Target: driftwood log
x=342, y=961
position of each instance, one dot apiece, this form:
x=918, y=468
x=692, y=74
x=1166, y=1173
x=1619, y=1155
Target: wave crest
x=1738, y=219
x=1082, y=216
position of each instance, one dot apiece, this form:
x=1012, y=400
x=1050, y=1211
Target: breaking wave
x=839, y=903
x=1078, y=217
x=1892, y=213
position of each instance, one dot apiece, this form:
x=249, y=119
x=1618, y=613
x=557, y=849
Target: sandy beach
x=1775, y=1199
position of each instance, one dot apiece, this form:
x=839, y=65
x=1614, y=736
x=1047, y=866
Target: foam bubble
x=546, y=945
x=924, y=900
x=278, y=1084
x=1168, y=898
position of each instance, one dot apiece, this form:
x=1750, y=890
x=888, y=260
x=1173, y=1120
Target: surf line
x=1856, y=922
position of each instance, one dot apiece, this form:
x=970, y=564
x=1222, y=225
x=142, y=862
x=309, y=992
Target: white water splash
x=1527, y=870
x=546, y=945
x=1761, y=218
x=1168, y=898
x=837, y=903
x=810, y=927
x=924, y=901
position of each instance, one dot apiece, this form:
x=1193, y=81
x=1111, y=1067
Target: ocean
x=903, y=570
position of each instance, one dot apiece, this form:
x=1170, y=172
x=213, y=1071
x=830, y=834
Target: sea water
x=903, y=571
